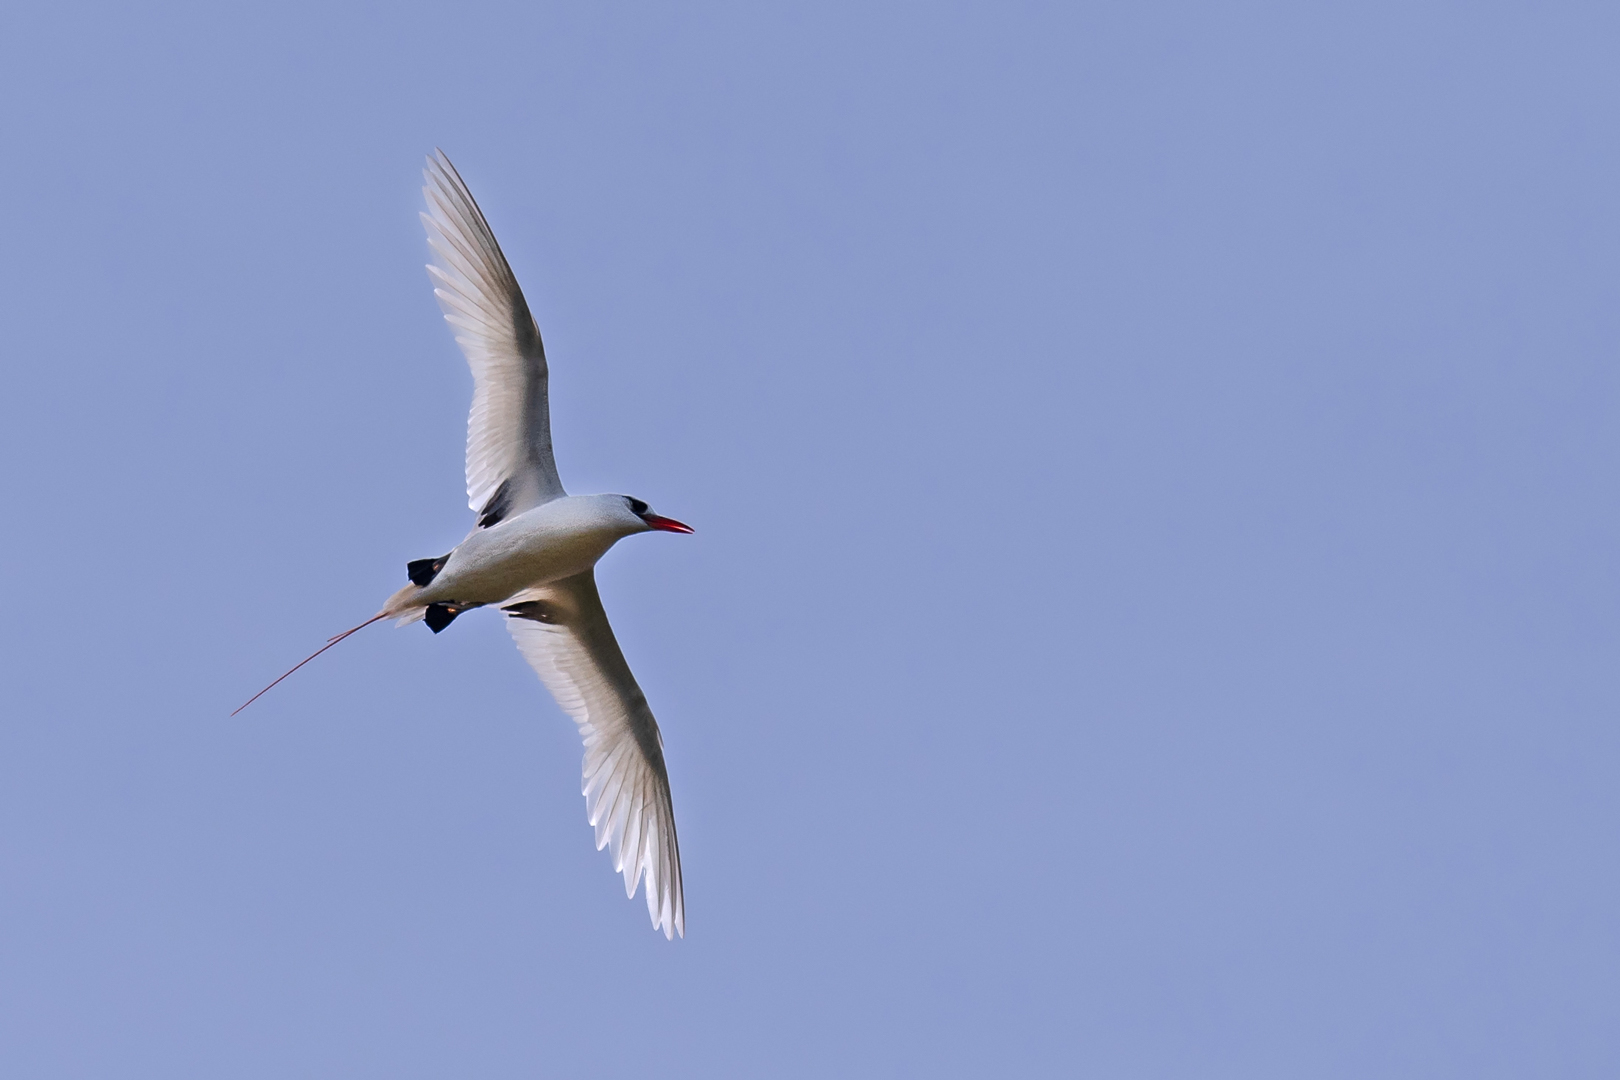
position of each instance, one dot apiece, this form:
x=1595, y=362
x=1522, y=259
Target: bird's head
x=651, y=521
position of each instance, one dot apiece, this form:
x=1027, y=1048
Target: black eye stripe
x=636, y=506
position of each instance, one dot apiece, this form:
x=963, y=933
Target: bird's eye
x=636, y=506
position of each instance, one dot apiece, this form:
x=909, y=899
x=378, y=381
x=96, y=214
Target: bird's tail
x=403, y=607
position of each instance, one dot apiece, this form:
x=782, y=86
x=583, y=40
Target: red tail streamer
x=329, y=643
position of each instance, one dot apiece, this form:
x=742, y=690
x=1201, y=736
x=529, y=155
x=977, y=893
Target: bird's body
x=555, y=540
x=533, y=550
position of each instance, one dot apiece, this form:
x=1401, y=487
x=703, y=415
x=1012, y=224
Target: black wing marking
x=439, y=616
x=423, y=571
x=494, y=511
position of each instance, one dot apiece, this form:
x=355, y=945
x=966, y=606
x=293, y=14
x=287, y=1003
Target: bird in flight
x=533, y=550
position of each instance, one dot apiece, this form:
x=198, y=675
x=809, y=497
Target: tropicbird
x=533, y=551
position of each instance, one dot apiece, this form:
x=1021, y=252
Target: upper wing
x=509, y=464
x=563, y=632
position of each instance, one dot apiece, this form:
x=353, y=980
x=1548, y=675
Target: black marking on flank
x=439, y=616
x=540, y=611
x=423, y=571
x=499, y=503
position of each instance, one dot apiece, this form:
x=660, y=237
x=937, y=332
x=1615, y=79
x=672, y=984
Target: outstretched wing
x=563, y=632
x=510, y=468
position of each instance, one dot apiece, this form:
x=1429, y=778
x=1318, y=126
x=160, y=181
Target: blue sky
x=1153, y=609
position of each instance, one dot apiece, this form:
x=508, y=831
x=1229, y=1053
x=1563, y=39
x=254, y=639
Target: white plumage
x=539, y=533
x=533, y=552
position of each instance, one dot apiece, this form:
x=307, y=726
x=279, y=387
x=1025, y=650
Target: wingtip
x=438, y=172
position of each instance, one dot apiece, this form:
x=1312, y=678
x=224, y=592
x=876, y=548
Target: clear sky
x=1153, y=611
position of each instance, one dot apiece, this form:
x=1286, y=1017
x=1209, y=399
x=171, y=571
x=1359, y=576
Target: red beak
x=666, y=524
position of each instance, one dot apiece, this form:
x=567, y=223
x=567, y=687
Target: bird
x=533, y=550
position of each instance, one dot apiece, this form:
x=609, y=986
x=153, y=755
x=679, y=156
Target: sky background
x=1153, y=611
